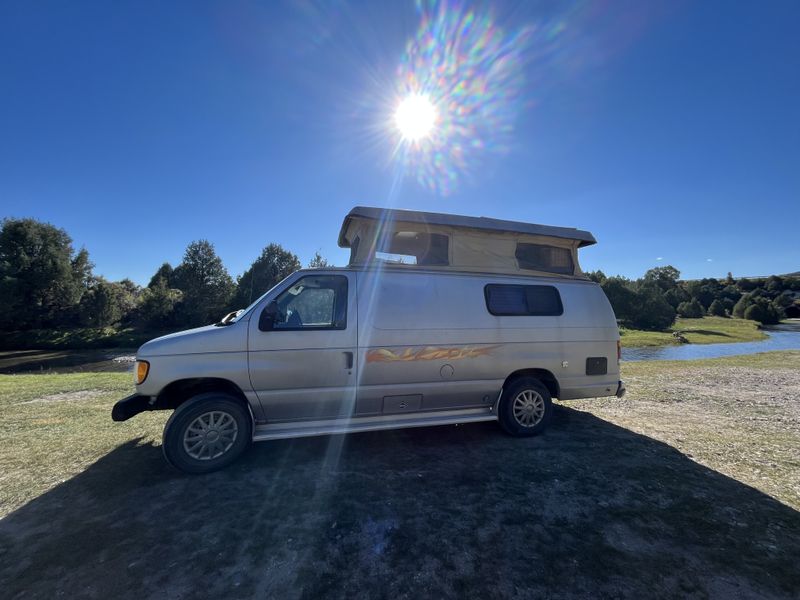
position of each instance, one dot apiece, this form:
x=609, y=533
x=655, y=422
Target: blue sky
x=670, y=130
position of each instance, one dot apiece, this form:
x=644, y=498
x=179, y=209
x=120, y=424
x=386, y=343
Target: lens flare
x=469, y=73
x=415, y=117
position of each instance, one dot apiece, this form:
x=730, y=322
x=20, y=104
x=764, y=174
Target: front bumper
x=130, y=407
x=620, y=389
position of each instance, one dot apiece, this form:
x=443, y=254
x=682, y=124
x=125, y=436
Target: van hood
x=211, y=338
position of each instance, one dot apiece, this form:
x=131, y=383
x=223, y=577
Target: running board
x=279, y=431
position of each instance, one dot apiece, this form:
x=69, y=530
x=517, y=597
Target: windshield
x=246, y=311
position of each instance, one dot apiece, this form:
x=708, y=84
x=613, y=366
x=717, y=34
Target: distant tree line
x=654, y=301
x=46, y=283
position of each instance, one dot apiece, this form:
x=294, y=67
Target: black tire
x=529, y=411
x=234, y=433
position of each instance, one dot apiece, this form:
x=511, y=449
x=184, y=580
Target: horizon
x=669, y=131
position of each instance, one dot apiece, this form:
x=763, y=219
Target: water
x=67, y=361
x=785, y=336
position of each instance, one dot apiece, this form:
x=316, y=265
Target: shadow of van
x=589, y=509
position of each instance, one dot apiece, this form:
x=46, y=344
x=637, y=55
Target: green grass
x=708, y=330
x=54, y=426
x=79, y=339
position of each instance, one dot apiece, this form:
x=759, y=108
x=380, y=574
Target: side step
x=294, y=429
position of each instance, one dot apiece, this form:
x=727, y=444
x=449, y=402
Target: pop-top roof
x=390, y=215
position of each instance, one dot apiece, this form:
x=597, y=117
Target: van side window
x=550, y=259
x=523, y=300
x=313, y=302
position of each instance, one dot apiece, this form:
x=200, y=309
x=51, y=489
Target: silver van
x=437, y=319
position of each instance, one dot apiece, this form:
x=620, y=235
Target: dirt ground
x=686, y=488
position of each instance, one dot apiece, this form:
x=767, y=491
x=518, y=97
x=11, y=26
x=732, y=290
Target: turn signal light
x=140, y=371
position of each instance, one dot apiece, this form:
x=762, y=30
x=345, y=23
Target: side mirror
x=266, y=322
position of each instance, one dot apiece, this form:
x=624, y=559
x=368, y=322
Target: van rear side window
x=523, y=300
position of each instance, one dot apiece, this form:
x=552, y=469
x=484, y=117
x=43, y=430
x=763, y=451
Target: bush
x=763, y=311
x=691, y=310
x=717, y=309
x=651, y=311
x=676, y=296
x=741, y=306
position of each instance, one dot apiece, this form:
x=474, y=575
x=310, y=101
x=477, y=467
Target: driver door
x=302, y=349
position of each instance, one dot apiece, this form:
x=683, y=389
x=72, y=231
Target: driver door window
x=314, y=302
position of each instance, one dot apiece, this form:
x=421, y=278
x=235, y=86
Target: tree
x=728, y=304
x=164, y=272
x=158, y=304
x=783, y=301
x=675, y=296
x=691, y=310
x=717, y=309
x=747, y=300
x=206, y=285
x=41, y=277
x=666, y=277
x=745, y=285
x=759, y=308
x=596, y=276
x=102, y=304
x=762, y=311
x=318, y=262
x=705, y=291
x=274, y=265
x=741, y=306
x=651, y=311
x=621, y=296
x=730, y=292
x=82, y=269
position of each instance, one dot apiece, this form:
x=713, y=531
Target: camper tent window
x=550, y=259
x=416, y=248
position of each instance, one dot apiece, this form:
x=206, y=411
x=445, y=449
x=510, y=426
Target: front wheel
x=525, y=407
x=206, y=433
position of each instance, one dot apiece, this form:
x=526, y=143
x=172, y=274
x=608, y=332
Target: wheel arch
x=546, y=377
x=179, y=391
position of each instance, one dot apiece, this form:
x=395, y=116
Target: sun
x=415, y=117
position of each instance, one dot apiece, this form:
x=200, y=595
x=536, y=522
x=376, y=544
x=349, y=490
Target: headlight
x=140, y=371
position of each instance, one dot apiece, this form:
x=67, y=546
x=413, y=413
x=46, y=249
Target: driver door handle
x=348, y=360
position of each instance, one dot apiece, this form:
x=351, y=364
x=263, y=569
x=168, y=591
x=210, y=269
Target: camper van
x=437, y=319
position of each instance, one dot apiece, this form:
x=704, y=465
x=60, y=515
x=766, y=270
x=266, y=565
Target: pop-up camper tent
x=459, y=243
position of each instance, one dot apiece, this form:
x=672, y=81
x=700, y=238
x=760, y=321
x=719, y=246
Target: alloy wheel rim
x=528, y=408
x=210, y=435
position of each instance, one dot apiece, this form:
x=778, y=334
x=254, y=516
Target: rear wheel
x=525, y=407
x=206, y=433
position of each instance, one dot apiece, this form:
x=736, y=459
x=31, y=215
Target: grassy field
x=708, y=330
x=688, y=487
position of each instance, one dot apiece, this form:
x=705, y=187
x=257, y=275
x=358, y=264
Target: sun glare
x=415, y=117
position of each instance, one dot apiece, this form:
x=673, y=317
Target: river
x=785, y=336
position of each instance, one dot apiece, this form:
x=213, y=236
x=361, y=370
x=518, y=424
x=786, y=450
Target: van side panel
x=432, y=334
